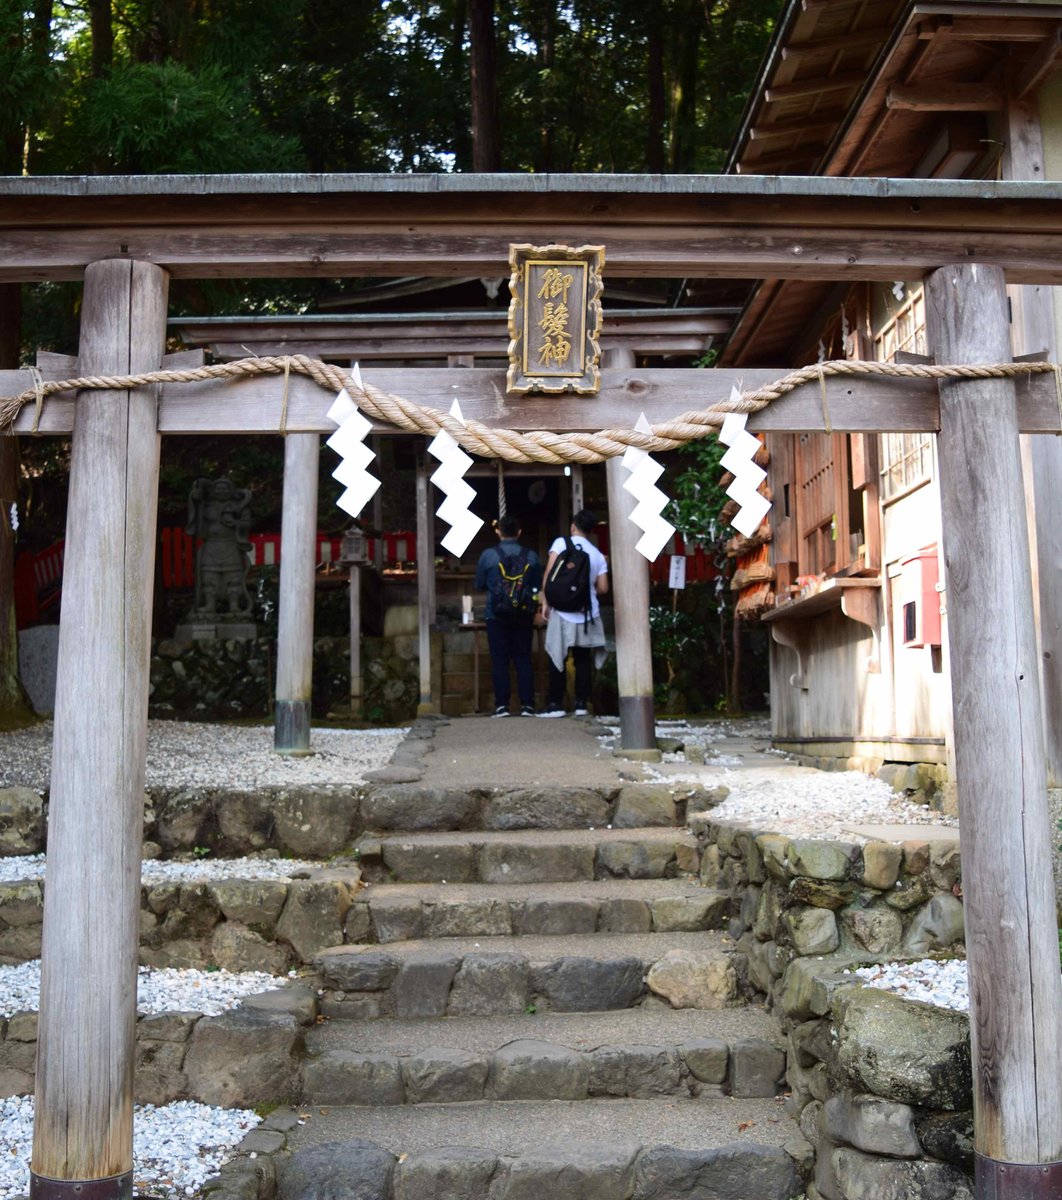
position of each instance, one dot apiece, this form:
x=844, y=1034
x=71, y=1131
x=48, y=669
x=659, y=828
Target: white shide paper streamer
x=459, y=494
x=348, y=442
x=747, y=476
x=641, y=483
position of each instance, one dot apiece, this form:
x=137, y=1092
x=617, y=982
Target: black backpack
x=514, y=588
x=568, y=586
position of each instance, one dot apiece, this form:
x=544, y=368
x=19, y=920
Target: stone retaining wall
x=219, y=680
x=881, y=1085
x=799, y=897
x=320, y=821
x=232, y=924
x=244, y=1058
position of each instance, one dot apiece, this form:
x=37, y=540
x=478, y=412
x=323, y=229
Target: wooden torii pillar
x=630, y=592
x=83, y=1130
x=1011, y=946
x=298, y=538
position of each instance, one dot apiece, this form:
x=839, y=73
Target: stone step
x=635, y=1053
x=394, y=805
x=494, y=975
x=512, y=1150
x=386, y=913
x=529, y=856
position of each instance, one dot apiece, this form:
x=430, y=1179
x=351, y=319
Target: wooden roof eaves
x=771, y=58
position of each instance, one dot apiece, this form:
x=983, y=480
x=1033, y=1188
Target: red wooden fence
x=38, y=577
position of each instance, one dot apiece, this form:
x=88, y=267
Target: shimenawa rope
x=510, y=444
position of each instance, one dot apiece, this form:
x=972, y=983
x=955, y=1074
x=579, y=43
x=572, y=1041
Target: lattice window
x=906, y=458
x=817, y=505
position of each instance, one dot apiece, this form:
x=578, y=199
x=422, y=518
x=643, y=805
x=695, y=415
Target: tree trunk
x=655, y=159
x=453, y=65
x=687, y=43
x=40, y=46
x=546, y=35
x=13, y=706
x=486, y=136
x=102, y=30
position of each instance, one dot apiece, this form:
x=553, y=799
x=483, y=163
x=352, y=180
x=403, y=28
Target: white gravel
x=942, y=983
x=154, y=870
x=187, y=754
x=176, y=1147
x=159, y=989
x=801, y=802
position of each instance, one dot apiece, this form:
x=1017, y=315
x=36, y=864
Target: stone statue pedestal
x=215, y=631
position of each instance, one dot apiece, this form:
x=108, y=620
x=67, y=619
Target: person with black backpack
x=511, y=575
x=576, y=575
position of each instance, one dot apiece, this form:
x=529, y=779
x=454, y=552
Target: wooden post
x=630, y=591
x=425, y=583
x=1011, y=932
x=298, y=554
x=83, y=1132
x=357, y=693
x=1033, y=325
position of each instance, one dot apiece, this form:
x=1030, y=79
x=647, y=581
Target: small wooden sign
x=555, y=318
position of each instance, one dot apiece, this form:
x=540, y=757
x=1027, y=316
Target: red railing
x=39, y=577
x=38, y=585
x=178, y=552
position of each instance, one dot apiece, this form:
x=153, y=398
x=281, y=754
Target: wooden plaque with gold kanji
x=555, y=318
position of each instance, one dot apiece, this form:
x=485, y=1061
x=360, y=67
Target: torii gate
x=127, y=236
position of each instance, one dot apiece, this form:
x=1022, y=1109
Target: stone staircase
x=532, y=1002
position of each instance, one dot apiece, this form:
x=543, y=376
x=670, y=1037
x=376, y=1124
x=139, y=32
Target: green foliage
x=697, y=499
x=325, y=85
x=163, y=118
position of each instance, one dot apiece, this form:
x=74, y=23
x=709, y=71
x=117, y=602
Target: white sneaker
x=501, y=711
x=579, y=712
x=552, y=710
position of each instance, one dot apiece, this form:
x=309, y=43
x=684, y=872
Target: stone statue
x=217, y=513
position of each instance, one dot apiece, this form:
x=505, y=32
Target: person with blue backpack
x=511, y=575
x=576, y=576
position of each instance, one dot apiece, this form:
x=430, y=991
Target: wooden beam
x=871, y=250
x=870, y=404
x=945, y=97
x=859, y=40
x=298, y=566
x=1028, y=77
x=83, y=1130
x=815, y=86
x=1011, y=932
x=1010, y=28
x=812, y=130
x=670, y=226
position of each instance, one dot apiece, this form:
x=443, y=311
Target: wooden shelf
x=834, y=593
x=857, y=596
